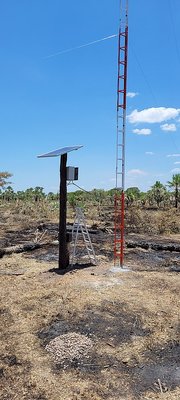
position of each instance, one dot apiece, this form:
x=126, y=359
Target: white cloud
x=149, y=153
x=173, y=155
x=144, y=131
x=168, y=127
x=136, y=172
x=132, y=94
x=175, y=170
x=177, y=162
x=153, y=115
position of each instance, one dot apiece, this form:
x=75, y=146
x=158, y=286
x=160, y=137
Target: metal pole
x=121, y=134
x=63, y=248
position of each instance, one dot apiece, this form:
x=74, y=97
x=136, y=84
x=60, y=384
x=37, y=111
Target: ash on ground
x=69, y=348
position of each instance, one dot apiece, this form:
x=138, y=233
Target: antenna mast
x=120, y=136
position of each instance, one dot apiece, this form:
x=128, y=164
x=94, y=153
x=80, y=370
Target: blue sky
x=70, y=99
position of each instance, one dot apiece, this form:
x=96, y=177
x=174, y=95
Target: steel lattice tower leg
x=120, y=138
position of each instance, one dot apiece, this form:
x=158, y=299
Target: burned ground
x=132, y=318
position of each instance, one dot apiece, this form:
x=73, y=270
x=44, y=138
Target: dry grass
x=132, y=319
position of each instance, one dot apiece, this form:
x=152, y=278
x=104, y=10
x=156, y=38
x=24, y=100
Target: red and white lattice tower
x=121, y=133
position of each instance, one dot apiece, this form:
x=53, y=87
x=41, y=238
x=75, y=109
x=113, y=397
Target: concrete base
x=119, y=269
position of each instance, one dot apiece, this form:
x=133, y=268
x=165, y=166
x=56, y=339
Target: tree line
x=159, y=195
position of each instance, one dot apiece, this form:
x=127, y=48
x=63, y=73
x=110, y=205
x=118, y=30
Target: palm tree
x=38, y=193
x=21, y=195
x=175, y=183
x=9, y=194
x=158, y=193
x=51, y=196
x=29, y=194
x=98, y=195
x=132, y=194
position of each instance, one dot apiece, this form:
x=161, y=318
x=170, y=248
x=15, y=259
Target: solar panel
x=61, y=151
